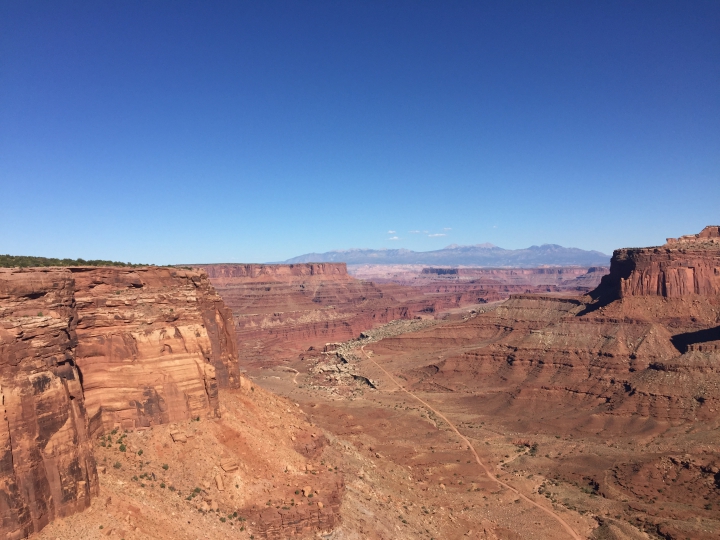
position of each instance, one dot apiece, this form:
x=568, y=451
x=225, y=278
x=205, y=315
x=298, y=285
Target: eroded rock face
x=88, y=349
x=638, y=360
x=710, y=234
x=645, y=343
x=480, y=285
x=683, y=267
x=47, y=469
x=154, y=344
x=283, y=309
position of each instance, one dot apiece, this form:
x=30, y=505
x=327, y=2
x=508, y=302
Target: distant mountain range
x=454, y=255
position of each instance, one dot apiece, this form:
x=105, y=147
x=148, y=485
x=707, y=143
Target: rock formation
x=681, y=268
x=281, y=310
x=643, y=342
x=47, y=468
x=638, y=357
x=87, y=349
x=709, y=235
x=154, y=344
x=480, y=285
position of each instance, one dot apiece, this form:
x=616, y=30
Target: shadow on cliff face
x=609, y=289
x=606, y=293
x=682, y=342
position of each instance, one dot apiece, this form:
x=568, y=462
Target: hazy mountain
x=454, y=255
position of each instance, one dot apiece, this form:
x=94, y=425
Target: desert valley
x=304, y=400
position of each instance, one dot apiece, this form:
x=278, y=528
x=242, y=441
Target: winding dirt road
x=470, y=447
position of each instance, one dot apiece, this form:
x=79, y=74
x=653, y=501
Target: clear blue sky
x=170, y=132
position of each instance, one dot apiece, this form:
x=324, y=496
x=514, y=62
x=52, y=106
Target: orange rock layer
x=281, y=310
x=645, y=343
x=88, y=349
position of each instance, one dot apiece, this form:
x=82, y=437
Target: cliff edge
x=85, y=350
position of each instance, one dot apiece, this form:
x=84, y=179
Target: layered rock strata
x=486, y=284
x=709, y=235
x=678, y=269
x=637, y=360
x=154, y=344
x=644, y=343
x=47, y=468
x=83, y=350
x=281, y=310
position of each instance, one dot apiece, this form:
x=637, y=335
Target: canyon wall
x=84, y=350
x=276, y=271
x=47, y=469
x=281, y=310
x=636, y=361
x=490, y=284
x=671, y=271
x=645, y=342
x=154, y=344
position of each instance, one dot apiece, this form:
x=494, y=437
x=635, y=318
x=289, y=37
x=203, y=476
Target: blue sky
x=169, y=132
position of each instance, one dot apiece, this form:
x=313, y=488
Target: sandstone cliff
x=479, y=285
x=282, y=310
x=47, y=468
x=645, y=342
x=84, y=350
x=677, y=269
x=154, y=344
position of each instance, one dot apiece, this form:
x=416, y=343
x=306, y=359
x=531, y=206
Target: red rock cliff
x=47, y=468
x=686, y=266
x=87, y=349
x=283, y=309
x=154, y=344
x=276, y=271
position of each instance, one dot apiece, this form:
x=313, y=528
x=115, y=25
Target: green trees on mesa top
x=25, y=261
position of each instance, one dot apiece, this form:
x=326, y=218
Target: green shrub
x=27, y=261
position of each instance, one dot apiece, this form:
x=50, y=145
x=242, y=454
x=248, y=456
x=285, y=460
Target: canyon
x=283, y=309
x=387, y=401
x=603, y=407
x=103, y=370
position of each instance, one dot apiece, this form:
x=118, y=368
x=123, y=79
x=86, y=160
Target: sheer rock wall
x=84, y=350
x=47, y=469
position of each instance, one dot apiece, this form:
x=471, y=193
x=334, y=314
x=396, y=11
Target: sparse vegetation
x=28, y=261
